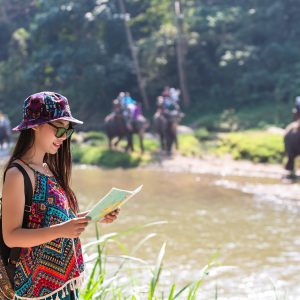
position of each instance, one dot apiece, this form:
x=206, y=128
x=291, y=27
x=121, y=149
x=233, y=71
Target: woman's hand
x=109, y=218
x=74, y=227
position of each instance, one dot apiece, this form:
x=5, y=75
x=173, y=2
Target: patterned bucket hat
x=44, y=107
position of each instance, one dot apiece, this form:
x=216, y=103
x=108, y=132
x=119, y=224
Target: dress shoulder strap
x=26, y=164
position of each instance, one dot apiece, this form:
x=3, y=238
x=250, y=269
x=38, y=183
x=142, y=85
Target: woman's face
x=45, y=137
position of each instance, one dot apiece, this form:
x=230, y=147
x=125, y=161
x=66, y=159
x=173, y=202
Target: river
x=252, y=224
x=254, y=230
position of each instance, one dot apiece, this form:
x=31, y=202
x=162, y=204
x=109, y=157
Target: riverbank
x=223, y=165
x=250, y=153
x=257, y=153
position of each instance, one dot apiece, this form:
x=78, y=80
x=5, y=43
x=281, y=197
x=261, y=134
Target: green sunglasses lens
x=69, y=132
x=60, y=132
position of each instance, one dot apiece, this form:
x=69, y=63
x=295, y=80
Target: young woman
x=50, y=265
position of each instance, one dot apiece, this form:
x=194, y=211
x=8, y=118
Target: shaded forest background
x=241, y=57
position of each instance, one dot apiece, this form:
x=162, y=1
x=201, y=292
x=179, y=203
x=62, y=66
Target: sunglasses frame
x=63, y=131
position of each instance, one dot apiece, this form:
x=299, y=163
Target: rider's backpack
x=10, y=256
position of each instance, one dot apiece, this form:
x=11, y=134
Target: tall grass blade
x=182, y=290
x=171, y=295
x=157, y=271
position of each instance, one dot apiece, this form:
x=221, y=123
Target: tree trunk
x=141, y=81
x=180, y=50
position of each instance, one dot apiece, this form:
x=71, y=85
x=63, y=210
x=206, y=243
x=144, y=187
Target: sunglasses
x=60, y=131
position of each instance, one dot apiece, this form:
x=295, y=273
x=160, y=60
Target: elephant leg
x=118, y=141
x=174, y=135
x=290, y=165
x=129, y=143
x=141, y=136
x=109, y=144
x=176, y=141
x=161, y=142
x=163, y=145
x=169, y=142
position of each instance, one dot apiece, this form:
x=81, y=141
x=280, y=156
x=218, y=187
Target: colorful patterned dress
x=54, y=270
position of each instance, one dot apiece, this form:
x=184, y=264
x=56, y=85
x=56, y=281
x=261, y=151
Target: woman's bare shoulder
x=13, y=174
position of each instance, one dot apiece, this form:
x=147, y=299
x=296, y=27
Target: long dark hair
x=60, y=164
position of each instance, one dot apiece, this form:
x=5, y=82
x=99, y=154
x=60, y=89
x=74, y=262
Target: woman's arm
x=13, y=202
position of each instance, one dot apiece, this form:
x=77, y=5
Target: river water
x=252, y=225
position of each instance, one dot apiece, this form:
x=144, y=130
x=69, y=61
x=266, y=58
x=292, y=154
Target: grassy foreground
x=132, y=278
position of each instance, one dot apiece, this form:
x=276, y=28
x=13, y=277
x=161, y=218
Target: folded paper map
x=114, y=199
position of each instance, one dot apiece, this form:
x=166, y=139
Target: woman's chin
x=53, y=151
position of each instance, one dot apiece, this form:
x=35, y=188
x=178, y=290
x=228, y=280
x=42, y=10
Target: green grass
x=100, y=156
x=189, y=145
x=257, y=146
x=254, y=145
x=94, y=150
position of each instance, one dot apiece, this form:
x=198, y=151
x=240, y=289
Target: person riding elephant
x=296, y=109
x=166, y=120
x=124, y=122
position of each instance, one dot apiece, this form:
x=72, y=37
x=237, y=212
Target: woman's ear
x=36, y=129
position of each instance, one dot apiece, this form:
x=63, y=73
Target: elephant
x=117, y=127
x=5, y=134
x=292, y=145
x=166, y=127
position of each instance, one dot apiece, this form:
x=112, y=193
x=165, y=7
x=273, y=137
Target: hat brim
x=23, y=125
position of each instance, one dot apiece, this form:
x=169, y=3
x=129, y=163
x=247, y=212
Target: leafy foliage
x=238, y=53
x=253, y=145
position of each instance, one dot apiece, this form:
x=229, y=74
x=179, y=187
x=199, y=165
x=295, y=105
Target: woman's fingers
x=110, y=217
x=83, y=220
x=114, y=213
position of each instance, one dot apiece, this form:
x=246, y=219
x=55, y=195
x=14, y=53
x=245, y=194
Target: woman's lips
x=56, y=145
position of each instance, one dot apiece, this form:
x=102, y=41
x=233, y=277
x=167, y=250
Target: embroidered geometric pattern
x=44, y=107
x=43, y=270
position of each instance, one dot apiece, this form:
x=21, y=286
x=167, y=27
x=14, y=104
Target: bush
x=94, y=135
x=202, y=134
x=189, y=145
x=151, y=145
x=91, y=155
x=114, y=159
x=77, y=152
x=253, y=145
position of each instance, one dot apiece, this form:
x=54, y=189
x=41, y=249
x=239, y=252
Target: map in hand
x=111, y=201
